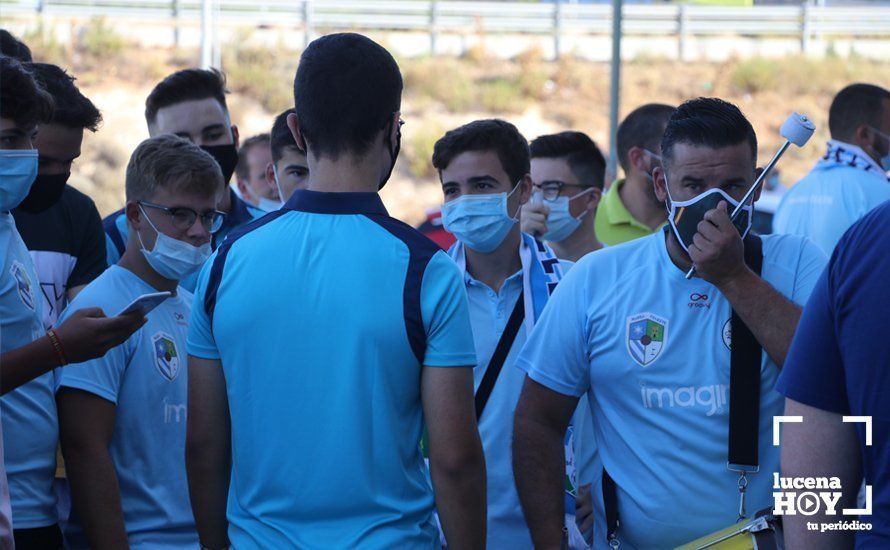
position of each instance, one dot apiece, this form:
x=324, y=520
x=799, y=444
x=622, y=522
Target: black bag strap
x=500, y=355
x=744, y=379
x=744, y=396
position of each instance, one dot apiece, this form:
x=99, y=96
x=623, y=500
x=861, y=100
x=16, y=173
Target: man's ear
x=270, y=176
x=236, y=136
x=395, y=132
x=593, y=200
x=636, y=158
x=245, y=190
x=525, y=189
x=659, y=180
x=133, y=214
x=294, y=125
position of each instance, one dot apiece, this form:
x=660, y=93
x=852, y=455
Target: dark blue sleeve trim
x=109, y=225
x=216, y=270
x=421, y=251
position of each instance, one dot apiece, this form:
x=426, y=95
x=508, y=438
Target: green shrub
x=755, y=75
x=501, y=95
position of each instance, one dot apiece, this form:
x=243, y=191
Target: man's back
x=838, y=362
x=345, y=305
x=831, y=198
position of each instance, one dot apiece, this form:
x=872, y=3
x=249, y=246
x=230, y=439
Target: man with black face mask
x=191, y=104
x=627, y=319
x=60, y=225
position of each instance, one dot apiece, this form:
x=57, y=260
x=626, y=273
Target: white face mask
x=171, y=258
x=278, y=185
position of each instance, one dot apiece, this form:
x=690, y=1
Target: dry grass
x=441, y=93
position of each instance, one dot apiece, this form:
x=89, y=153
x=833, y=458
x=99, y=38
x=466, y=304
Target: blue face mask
x=18, y=170
x=171, y=258
x=560, y=223
x=480, y=222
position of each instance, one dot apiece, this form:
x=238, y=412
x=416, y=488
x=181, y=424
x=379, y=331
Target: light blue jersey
x=489, y=313
x=323, y=315
x=146, y=377
x=651, y=350
x=30, y=425
x=844, y=186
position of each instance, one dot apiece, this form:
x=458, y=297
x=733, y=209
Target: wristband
x=57, y=347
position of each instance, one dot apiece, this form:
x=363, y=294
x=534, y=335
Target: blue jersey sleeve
x=810, y=266
x=200, y=340
x=814, y=370
x=555, y=354
x=101, y=376
x=446, y=315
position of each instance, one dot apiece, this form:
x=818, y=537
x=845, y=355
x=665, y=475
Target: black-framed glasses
x=552, y=190
x=184, y=218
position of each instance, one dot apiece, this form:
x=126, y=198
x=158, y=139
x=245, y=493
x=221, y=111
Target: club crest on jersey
x=166, y=356
x=646, y=336
x=23, y=283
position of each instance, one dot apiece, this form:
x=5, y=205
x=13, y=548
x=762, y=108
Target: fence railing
x=436, y=17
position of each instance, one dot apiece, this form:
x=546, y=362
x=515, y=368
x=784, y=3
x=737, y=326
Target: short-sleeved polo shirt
x=614, y=224
x=323, y=315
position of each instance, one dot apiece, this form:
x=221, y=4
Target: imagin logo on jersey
x=646, y=337
x=713, y=397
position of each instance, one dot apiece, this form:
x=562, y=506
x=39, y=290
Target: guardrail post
x=307, y=22
x=434, y=25
x=39, y=6
x=174, y=14
x=805, y=28
x=682, y=31
x=557, y=29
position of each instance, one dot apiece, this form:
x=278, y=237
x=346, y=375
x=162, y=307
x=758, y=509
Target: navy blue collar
x=238, y=213
x=318, y=202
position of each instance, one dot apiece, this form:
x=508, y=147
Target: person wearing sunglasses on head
x=122, y=417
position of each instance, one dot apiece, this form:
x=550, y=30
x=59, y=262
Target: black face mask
x=226, y=156
x=45, y=192
x=394, y=153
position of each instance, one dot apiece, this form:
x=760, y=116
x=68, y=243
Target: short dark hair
x=709, y=122
x=346, y=89
x=242, y=169
x=13, y=47
x=584, y=157
x=186, y=85
x=282, y=137
x=853, y=106
x=485, y=135
x=22, y=99
x=642, y=128
x=72, y=108
x=171, y=162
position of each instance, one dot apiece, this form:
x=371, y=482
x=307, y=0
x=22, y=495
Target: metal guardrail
x=437, y=17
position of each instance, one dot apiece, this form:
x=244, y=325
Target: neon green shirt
x=614, y=224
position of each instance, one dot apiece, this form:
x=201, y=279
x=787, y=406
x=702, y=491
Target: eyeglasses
x=184, y=218
x=551, y=190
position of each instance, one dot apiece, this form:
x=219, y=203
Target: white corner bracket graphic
x=863, y=420
x=777, y=421
x=867, y=510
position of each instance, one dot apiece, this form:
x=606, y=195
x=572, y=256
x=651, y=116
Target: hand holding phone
x=145, y=303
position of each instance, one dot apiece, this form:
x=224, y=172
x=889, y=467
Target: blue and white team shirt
x=30, y=423
x=146, y=378
x=489, y=313
x=843, y=186
x=323, y=315
x=652, y=352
